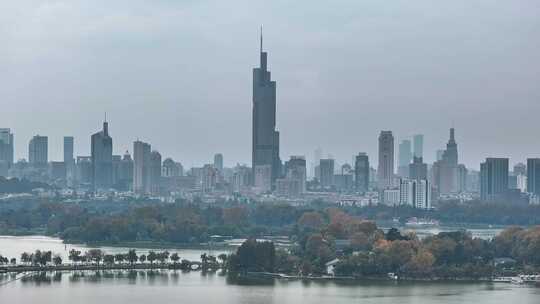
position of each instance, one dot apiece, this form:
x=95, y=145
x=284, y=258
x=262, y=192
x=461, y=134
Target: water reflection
x=150, y=277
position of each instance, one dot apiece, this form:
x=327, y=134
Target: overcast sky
x=177, y=74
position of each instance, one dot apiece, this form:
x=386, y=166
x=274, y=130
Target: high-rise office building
x=84, y=170
x=445, y=170
x=327, y=172
x=418, y=145
x=124, y=177
x=493, y=178
x=265, y=150
x=533, y=176
x=418, y=170
x=101, y=153
x=385, y=170
x=405, y=157
x=38, y=154
x=296, y=170
x=218, y=162
x=141, y=167
x=6, y=146
x=69, y=160
x=155, y=172
x=361, y=172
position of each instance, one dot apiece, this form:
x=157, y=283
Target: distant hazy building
x=296, y=169
x=124, y=176
x=101, y=153
x=361, y=172
x=263, y=178
x=445, y=170
x=493, y=179
x=57, y=172
x=6, y=149
x=439, y=155
x=385, y=169
x=327, y=172
x=405, y=158
x=84, y=170
x=155, y=172
x=418, y=170
x=241, y=178
x=171, y=168
x=265, y=150
x=473, y=181
x=533, y=176
x=218, y=162
x=418, y=145
x=141, y=167
x=69, y=160
x=288, y=187
x=38, y=151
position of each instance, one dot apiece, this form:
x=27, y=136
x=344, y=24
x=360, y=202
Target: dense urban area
x=292, y=221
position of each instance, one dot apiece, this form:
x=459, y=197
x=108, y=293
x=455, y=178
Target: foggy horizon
x=344, y=71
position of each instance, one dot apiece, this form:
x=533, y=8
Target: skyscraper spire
x=261, y=39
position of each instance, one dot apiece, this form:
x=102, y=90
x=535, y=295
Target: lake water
x=195, y=287
x=178, y=287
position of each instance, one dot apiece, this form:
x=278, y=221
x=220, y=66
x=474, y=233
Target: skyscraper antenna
x=261, y=38
x=105, y=117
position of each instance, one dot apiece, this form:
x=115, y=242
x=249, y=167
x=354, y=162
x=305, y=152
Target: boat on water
x=421, y=223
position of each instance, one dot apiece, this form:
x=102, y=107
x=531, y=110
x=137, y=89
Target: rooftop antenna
x=261, y=38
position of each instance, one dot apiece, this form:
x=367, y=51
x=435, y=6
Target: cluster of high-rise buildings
x=412, y=182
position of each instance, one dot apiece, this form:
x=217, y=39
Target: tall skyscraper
x=218, y=162
x=265, y=150
x=533, y=176
x=405, y=157
x=445, y=170
x=493, y=178
x=69, y=161
x=327, y=172
x=141, y=167
x=418, y=145
x=155, y=172
x=125, y=172
x=361, y=172
x=38, y=147
x=6, y=146
x=385, y=170
x=101, y=153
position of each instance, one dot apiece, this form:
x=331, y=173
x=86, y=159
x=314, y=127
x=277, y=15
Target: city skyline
x=157, y=82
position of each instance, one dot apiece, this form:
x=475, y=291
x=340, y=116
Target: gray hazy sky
x=178, y=74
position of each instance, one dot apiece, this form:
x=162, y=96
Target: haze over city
x=178, y=74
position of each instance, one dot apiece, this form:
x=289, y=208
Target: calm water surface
x=195, y=287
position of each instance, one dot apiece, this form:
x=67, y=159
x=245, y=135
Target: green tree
x=57, y=259
x=175, y=258
x=132, y=256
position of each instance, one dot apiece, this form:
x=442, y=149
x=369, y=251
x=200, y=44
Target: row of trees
x=98, y=257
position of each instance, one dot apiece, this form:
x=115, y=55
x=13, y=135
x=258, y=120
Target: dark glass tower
x=265, y=150
x=101, y=145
